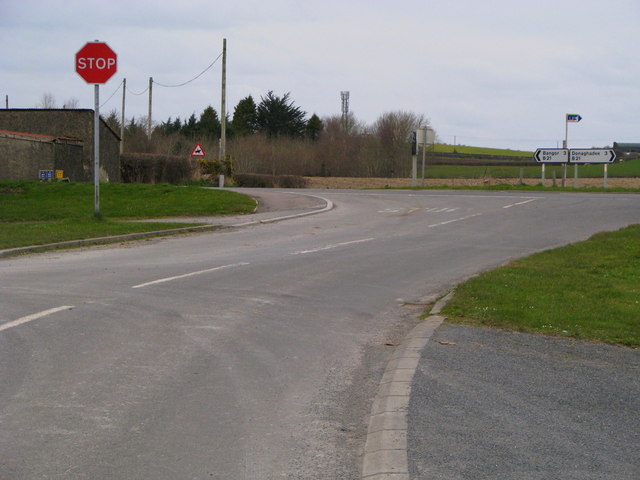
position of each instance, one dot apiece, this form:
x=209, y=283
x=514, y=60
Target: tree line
x=275, y=136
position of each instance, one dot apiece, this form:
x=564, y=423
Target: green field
x=588, y=290
x=35, y=213
x=464, y=149
x=630, y=168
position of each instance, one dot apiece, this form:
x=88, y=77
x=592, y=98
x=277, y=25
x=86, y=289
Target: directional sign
x=573, y=117
x=551, y=155
x=198, y=151
x=591, y=155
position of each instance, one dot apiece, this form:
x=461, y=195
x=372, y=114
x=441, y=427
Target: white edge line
x=34, y=316
x=191, y=274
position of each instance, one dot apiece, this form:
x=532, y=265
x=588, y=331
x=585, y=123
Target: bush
x=216, y=167
x=291, y=181
x=156, y=168
x=254, y=180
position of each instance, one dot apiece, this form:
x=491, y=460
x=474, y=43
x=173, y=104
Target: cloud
x=492, y=71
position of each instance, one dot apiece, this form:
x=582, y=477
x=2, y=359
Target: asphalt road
x=248, y=353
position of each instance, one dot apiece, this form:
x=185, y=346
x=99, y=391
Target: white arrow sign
x=591, y=155
x=551, y=155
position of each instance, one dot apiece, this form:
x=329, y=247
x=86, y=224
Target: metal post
x=223, y=113
x=424, y=148
x=565, y=144
x=606, y=174
x=414, y=170
x=575, y=175
x=542, y=179
x=96, y=153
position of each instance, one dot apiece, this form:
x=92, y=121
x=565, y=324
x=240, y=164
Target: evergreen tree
x=314, y=127
x=190, y=127
x=170, y=126
x=113, y=120
x=278, y=116
x=244, y=117
x=209, y=123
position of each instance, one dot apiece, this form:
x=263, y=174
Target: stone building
x=23, y=155
x=57, y=139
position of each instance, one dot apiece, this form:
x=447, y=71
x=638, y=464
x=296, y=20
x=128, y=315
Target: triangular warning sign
x=198, y=151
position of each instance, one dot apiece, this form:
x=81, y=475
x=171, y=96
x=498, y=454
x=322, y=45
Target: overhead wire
x=141, y=93
x=194, y=78
x=162, y=84
x=116, y=91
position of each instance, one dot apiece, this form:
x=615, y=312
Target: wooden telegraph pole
x=223, y=113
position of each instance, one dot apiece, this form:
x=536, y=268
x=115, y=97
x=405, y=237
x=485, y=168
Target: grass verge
x=34, y=213
x=588, y=290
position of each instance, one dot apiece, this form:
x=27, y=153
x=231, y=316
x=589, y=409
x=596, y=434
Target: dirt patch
x=356, y=183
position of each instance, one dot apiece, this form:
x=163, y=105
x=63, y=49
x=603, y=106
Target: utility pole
x=223, y=113
x=149, y=117
x=124, y=89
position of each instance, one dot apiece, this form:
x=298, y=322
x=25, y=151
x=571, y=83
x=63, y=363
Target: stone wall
x=22, y=156
x=71, y=124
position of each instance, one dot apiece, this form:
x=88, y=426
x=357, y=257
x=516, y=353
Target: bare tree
x=71, y=103
x=394, y=131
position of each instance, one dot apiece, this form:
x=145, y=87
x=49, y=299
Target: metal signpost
x=96, y=63
x=569, y=118
x=575, y=156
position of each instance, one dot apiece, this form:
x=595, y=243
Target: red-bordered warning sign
x=198, y=151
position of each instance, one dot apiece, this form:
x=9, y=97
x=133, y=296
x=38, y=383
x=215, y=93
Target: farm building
x=55, y=139
x=626, y=147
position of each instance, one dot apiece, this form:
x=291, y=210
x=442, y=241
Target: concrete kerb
x=385, y=451
x=174, y=231
x=101, y=240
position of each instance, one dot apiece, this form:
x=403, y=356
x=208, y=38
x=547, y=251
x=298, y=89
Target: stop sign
x=96, y=62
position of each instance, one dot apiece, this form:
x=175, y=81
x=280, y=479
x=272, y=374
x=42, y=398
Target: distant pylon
x=345, y=108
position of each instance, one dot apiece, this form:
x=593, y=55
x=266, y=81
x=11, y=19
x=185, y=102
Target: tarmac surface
x=461, y=402
x=498, y=404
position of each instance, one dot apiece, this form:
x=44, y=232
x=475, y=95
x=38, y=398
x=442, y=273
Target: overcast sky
x=498, y=73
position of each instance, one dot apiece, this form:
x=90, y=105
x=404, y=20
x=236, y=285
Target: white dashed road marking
x=34, y=316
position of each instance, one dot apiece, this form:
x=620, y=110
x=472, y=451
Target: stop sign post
x=96, y=63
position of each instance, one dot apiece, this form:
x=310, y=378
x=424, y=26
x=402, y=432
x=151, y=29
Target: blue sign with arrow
x=573, y=117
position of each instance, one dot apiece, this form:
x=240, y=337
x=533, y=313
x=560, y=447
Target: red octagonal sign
x=96, y=62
